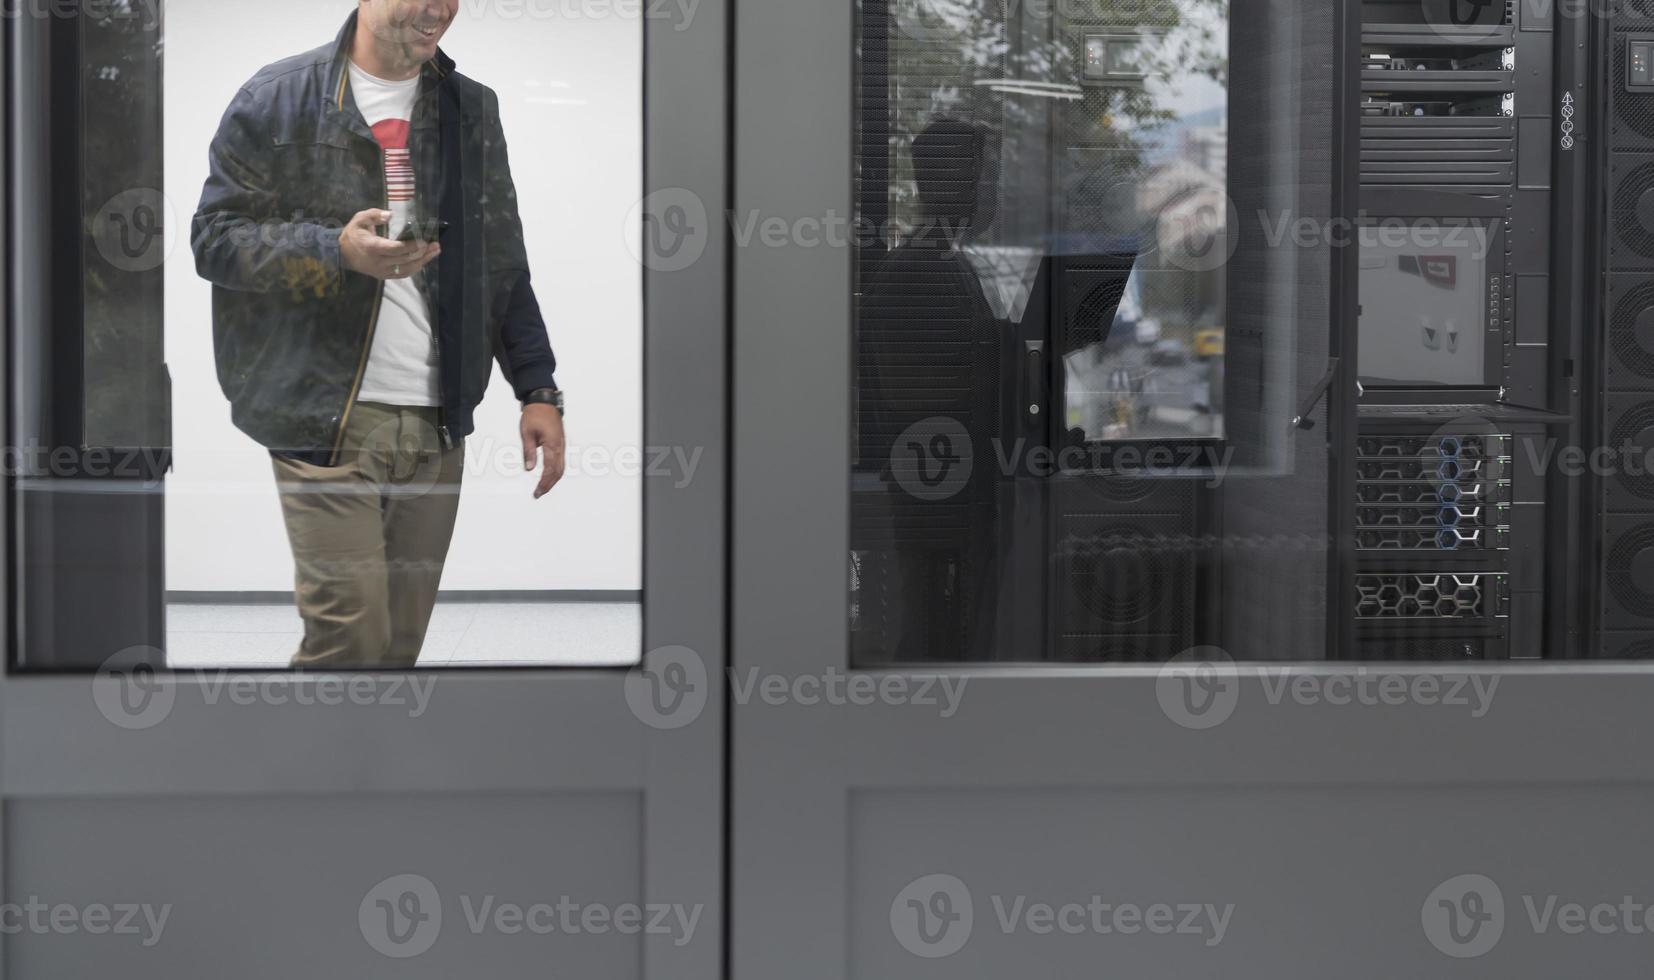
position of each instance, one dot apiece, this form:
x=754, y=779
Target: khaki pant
x=370, y=537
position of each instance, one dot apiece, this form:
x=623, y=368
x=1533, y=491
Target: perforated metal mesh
x=1631, y=356
x=1629, y=426
x=1090, y=290
x=1435, y=493
x=1124, y=576
x=1114, y=13
x=1123, y=648
x=926, y=348
x=1626, y=554
x=1419, y=492
x=1120, y=490
x=1423, y=596
x=1103, y=495
x=1444, y=526
x=1632, y=15
x=1616, y=649
x=1629, y=229
x=1121, y=574
x=1626, y=602
x=1633, y=113
x=1099, y=189
x=1094, y=313
x=1430, y=648
x=1124, y=563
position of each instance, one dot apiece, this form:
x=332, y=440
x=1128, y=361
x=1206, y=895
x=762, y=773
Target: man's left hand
x=542, y=428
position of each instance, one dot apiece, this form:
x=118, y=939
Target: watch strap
x=545, y=396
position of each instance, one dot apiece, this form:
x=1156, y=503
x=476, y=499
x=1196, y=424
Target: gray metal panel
x=1527, y=374
x=791, y=536
x=80, y=539
x=495, y=777
x=686, y=404
x=1536, y=15
x=1306, y=881
x=1533, y=309
x=224, y=733
x=275, y=885
x=1533, y=163
x=1099, y=727
x=1530, y=237
x=1534, y=90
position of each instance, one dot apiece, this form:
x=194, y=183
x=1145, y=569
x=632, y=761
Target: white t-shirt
x=402, y=365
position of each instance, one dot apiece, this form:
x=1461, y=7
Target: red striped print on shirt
x=392, y=135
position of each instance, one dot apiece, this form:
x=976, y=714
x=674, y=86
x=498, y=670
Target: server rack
x=1455, y=534
x=1451, y=494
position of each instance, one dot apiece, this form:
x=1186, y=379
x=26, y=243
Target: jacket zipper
x=367, y=342
x=443, y=433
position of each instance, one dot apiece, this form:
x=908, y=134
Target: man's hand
x=543, y=430
x=366, y=251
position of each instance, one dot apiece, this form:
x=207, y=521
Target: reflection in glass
x=1044, y=282
x=1114, y=135
x=125, y=220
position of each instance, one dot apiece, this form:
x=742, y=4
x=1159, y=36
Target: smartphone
x=415, y=231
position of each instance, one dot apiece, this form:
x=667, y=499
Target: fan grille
x=1637, y=420
x=1640, y=650
x=1122, y=574
x=1122, y=489
x=1621, y=576
x=1628, y=223
x=1622, y=330
x=1094, y=315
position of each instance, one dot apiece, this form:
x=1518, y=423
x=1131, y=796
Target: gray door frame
x=485, y=731
x=801, y=770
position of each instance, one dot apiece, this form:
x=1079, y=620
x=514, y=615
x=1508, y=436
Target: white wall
x=571, y=100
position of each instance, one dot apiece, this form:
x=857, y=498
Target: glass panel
x=347, y=485
x=128, y=230
x=1076, y=366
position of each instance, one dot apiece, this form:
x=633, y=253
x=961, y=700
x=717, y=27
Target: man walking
x=360, y=228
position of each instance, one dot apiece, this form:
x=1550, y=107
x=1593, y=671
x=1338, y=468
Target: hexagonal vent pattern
x=1430, y=493
x=1423, y=596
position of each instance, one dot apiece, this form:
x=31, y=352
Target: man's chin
x=415, y=41
x=415, y=52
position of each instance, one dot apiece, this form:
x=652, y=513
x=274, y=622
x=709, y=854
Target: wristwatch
x=545, y=396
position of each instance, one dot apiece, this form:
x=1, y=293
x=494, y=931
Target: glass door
x=557, y=807
x=964, y=776
x=1092, y=322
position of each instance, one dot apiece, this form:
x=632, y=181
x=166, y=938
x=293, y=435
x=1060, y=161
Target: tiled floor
x=468, y=634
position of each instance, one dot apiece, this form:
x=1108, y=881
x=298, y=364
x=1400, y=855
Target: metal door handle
x=1034, y=375
x=1303, y=419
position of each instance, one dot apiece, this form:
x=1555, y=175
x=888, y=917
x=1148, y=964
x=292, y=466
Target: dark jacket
x=292, y=162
